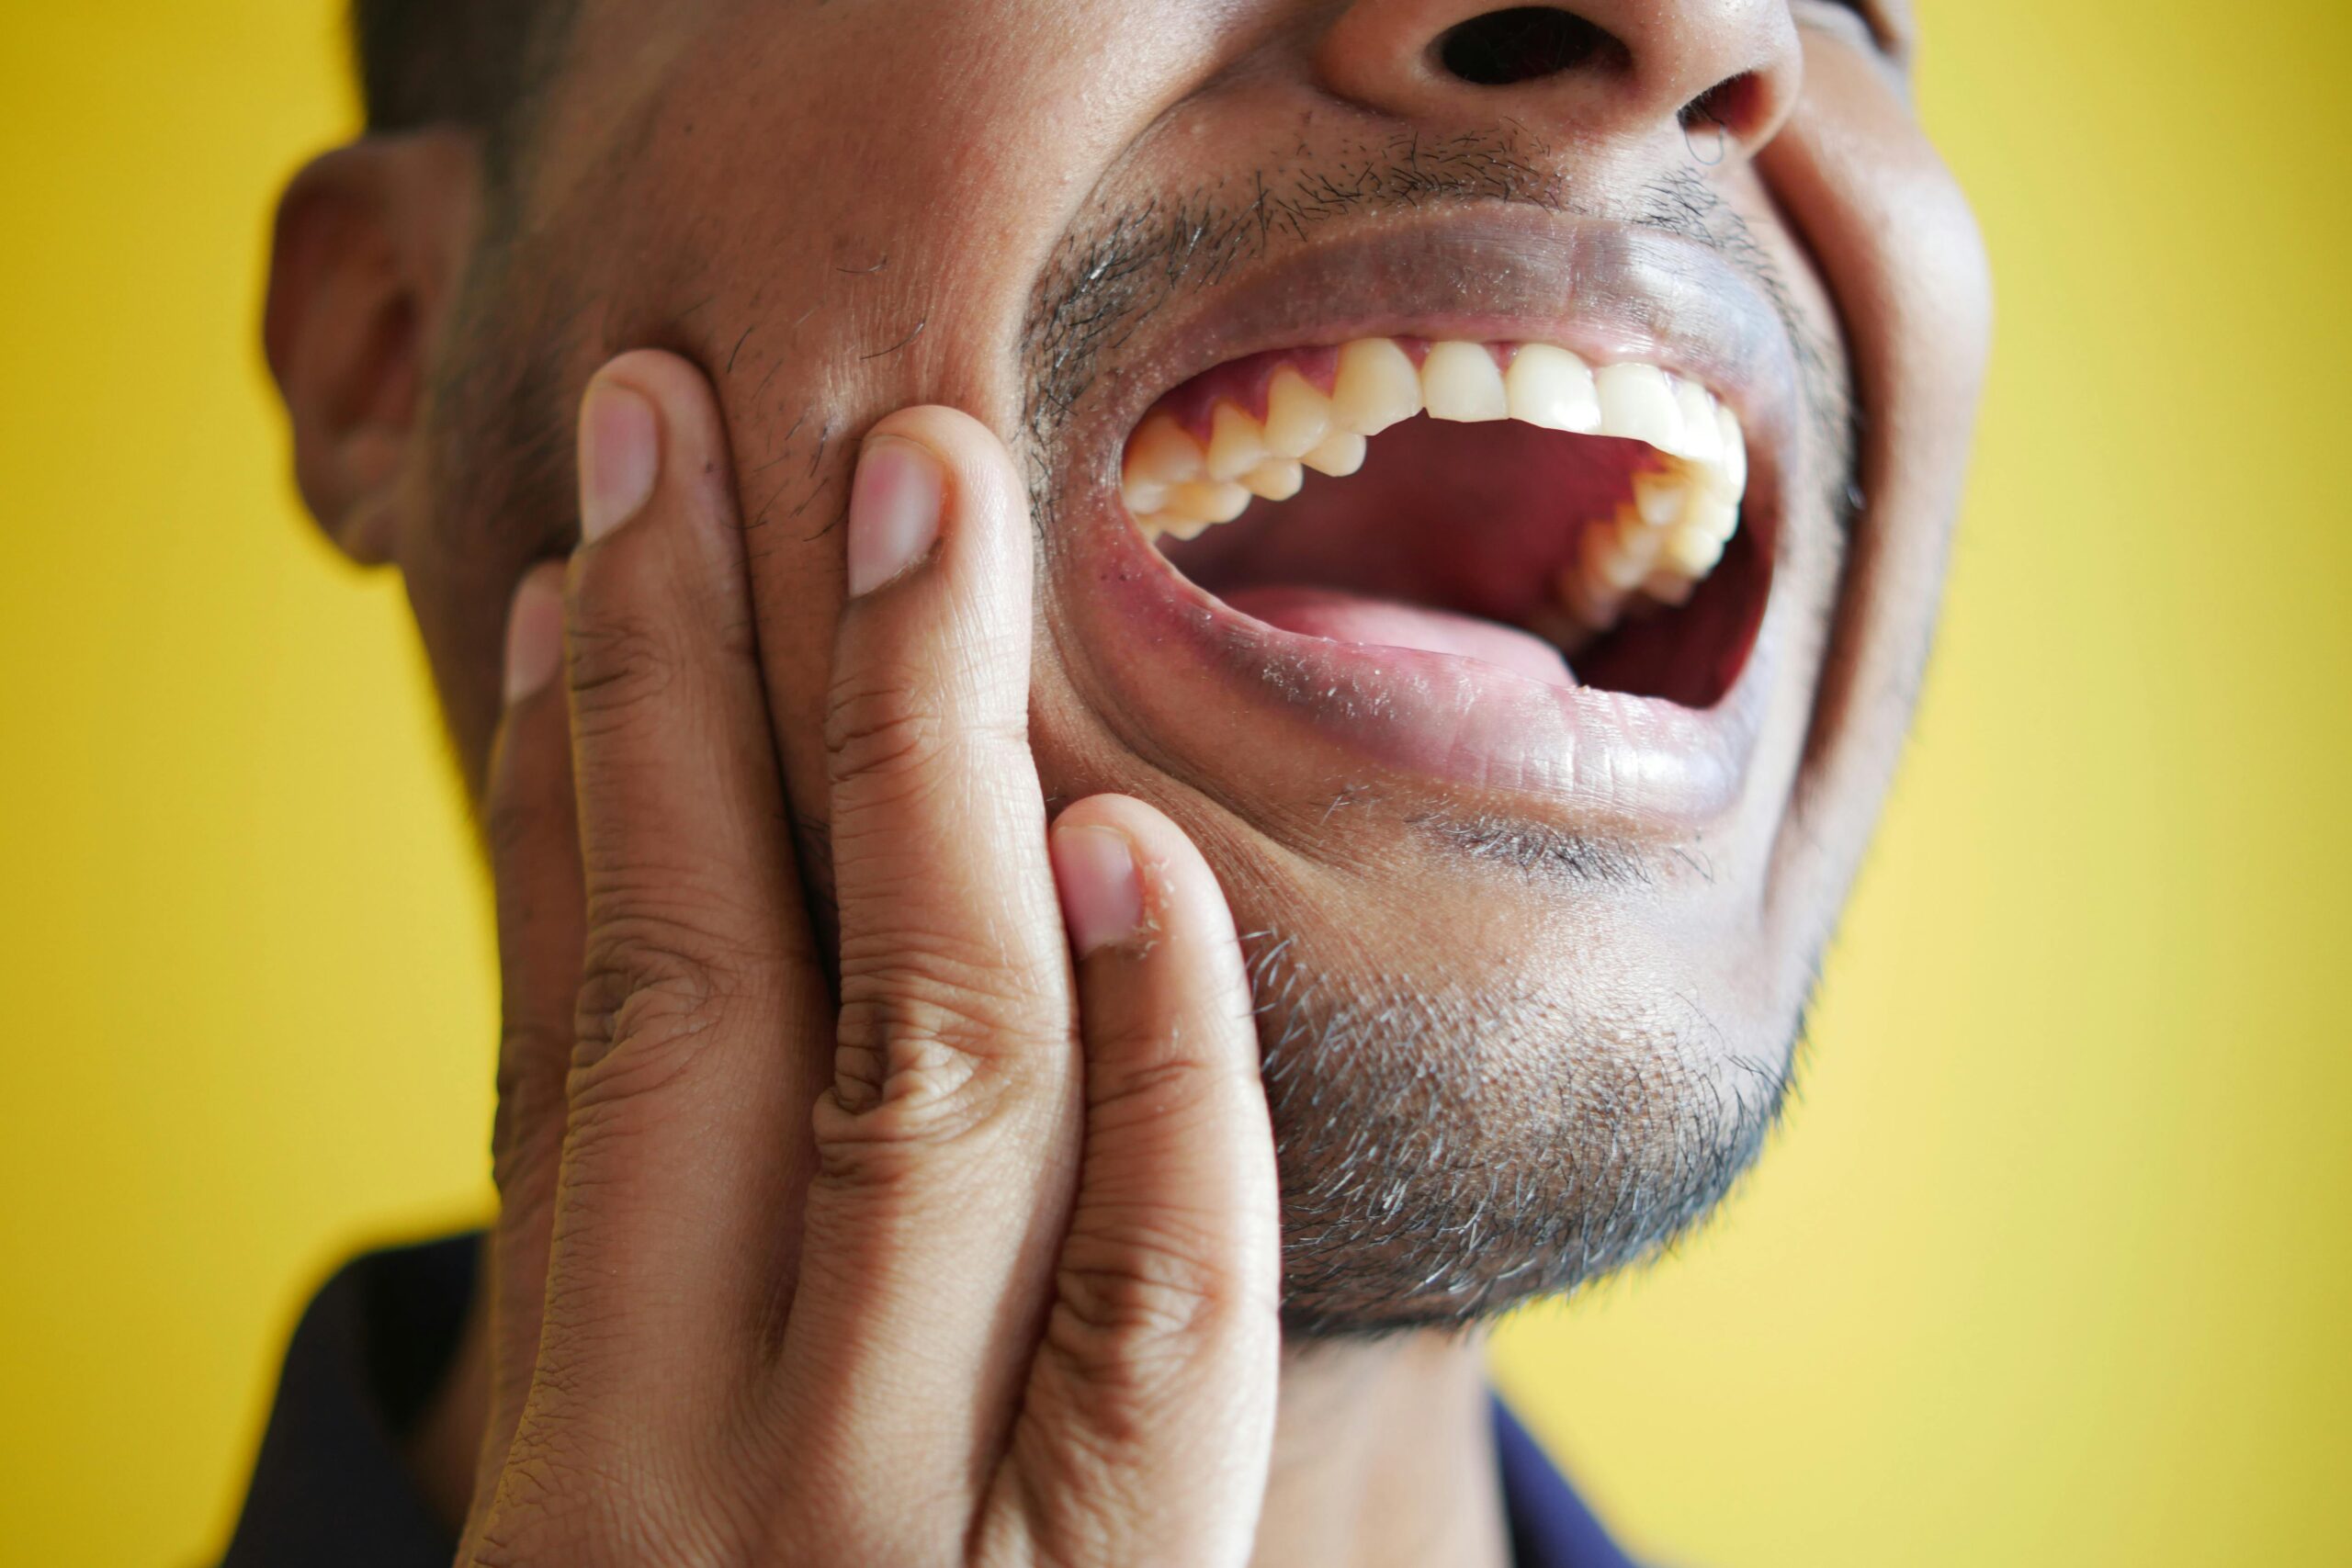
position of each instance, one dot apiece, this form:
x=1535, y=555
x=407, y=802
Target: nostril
x=1524, y=43
x=1731, y=108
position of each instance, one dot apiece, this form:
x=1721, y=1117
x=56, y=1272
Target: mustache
x=1121, y=261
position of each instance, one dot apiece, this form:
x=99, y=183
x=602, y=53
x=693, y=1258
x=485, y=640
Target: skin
x=1510, y=1038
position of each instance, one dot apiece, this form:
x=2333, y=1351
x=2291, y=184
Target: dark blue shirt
x=328, y=1486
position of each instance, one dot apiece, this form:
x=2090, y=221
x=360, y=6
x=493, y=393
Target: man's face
x=1531, y=946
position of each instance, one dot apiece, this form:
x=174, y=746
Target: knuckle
x=512, y=824
x=527, y=1125
x=1167, y=1087
x=591, y=1503
x=893, y=718
x=968, y=995
x=940, y=1040
x=532, y=1054
x=914, y=1069
x=878, y=721
x=1070, y=1505
x=927, y=968
x=651, y=994
x=620, y=661
x=864, y=1147
x=1139, y=1290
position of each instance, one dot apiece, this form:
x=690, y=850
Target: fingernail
x=1094, y=869
x=534, y=633
x=893, y=511
x=620, y=457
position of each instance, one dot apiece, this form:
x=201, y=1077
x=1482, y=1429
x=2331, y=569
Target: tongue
x=1383, y=623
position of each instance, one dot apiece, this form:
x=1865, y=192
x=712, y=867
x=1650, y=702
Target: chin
x=1452, y=1149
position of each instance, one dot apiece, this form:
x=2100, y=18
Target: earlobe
x=368, y=243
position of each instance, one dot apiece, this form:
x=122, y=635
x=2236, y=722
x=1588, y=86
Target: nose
x=1721, y=74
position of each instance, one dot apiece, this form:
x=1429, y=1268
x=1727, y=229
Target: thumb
x=1148, y=1420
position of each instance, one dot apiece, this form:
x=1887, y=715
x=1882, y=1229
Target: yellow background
x=2052, y=1265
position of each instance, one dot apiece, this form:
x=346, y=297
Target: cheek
x=1807, y=291
x=841, y=213
x=1893, y=240
x=493, y=493
x=872, y=188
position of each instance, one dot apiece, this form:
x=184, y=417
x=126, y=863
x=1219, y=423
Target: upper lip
x=1519, y=274
x=1608, y=290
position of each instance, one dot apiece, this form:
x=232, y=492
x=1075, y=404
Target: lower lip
x=1199, y=677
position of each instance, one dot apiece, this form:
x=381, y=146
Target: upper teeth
x=1666, y=538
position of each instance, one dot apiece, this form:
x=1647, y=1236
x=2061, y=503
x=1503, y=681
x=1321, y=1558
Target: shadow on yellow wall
x=2051, y=1266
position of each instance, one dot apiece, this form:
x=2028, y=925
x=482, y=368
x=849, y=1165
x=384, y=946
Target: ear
x=369, y=244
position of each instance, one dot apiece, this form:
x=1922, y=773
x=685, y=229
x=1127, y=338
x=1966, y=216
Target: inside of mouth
x=1574, y=524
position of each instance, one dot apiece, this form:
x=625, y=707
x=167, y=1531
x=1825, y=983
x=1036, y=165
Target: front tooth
x=1661, y=496
x=1731, y=467
x=1637, y=404
x=1339, y=453
x=1703, y=440
x=1236, y=443
x=1208, y=500
x=1276, y=479
x=1143, y=497
x=1376, y=387
x=1552, y=389
x=1297, y=416
x=1460, y=383
x=1165, y=452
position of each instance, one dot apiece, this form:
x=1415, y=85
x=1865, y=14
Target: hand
x=1009, y=1295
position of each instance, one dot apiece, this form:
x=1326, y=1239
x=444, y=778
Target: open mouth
x=1575, y=523
x=1484, y=516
